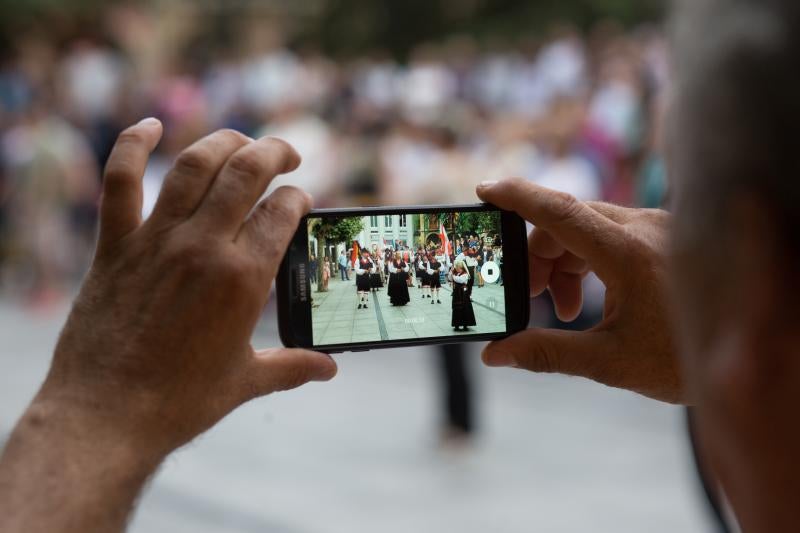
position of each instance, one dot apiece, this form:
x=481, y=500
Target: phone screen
x=388, y=277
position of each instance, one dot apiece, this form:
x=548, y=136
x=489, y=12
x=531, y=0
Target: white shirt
x=461, y=278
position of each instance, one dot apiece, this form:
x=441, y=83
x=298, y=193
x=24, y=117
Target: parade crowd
x=576, y=111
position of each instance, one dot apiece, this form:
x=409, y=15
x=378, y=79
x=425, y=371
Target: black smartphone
x=379, y=277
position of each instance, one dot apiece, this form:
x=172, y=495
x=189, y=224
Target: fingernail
x=328, y=372
x=487, y=184
x=149, y=121
x=499, y=359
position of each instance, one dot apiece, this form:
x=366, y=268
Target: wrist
x=94, y=424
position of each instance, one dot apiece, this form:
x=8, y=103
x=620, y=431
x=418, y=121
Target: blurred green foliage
x=353, y=27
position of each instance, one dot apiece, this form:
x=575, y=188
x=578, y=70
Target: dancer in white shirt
x=363, y=267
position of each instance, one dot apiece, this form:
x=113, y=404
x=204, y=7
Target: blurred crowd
x=580, y=112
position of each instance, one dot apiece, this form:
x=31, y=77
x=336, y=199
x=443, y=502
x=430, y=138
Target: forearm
x=69, y=470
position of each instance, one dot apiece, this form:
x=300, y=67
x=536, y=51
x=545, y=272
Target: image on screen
x=389, y=277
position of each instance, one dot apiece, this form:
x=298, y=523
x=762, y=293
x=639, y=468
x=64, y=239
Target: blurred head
x=733, y=150
x=460, y=266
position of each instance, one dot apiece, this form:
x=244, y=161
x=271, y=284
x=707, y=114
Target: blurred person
x=51, y=191
x=427, y=87
x=311, y=135
x=407, y=159
x=92, y=77
x=564, y=168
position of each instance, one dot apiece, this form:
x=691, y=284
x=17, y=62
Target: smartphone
x=378, y=277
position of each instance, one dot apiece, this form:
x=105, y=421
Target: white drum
x=490, y=272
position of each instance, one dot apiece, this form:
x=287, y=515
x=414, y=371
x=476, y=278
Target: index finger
x=242, y=181
x=121, y=204
x=580, y=229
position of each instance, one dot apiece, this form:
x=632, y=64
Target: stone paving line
x=337, y=319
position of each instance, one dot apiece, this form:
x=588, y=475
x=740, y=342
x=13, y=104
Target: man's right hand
x=633, y=347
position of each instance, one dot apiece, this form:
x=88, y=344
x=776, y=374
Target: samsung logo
x=302, y=286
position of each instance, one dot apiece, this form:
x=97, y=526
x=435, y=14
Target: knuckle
x=191, y=257
x=117, y=173
x=232, y=136
x=194, y=160
x=246, y=163
x=237, y=274
x=131, y=136
x=288, y=205
x=565, y=206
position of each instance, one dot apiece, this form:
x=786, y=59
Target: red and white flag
x=446, y=247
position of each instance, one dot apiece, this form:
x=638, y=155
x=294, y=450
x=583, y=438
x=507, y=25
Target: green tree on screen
x=334, y=231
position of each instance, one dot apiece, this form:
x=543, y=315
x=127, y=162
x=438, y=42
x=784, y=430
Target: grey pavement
x=336, y=318
x=361, y=454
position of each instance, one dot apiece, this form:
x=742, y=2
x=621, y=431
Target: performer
x=362, y=267
x=326, y=273
x=418, y=269
x=398, y=281
x=423, y=274
x=471, y=263
x=435, y=270
x=463, y=314
x=376, y=274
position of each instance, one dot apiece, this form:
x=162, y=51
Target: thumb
x=281, y=369
x=584, y=231
x=585, y=354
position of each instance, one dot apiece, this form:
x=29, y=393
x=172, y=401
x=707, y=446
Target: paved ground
x=361, y=454
x=337, y=319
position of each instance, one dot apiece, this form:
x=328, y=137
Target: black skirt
x=436, y=280
x=463, y=314
x=375, y=281
x=363, y=283
x=398, y=288
x=424, y=278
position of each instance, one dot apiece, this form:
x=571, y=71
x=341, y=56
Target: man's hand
x=632, y=348
x=157, y=347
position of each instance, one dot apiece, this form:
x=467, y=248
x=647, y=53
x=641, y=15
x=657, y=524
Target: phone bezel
x=294, y=316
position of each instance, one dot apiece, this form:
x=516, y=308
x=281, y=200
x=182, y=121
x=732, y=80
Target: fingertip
x=326, y=366
x=496, y=357
x=150, y=122
x=485, y=187
x=293, y=158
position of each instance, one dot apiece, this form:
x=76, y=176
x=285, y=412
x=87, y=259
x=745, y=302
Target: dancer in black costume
x=423, y=274
x=362, y=267
x=437, y=265
x=463, y=314
x=398, y=281
x=375, y=276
